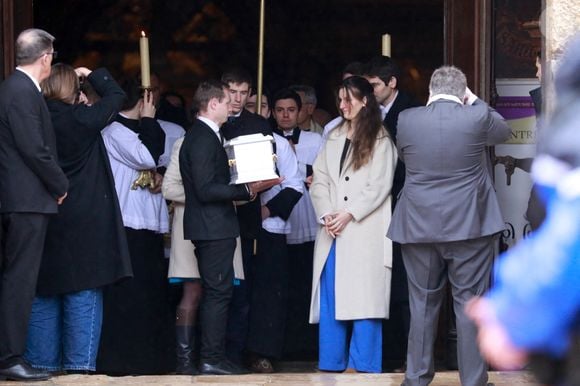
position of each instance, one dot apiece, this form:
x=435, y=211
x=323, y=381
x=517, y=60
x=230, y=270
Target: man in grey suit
x=447, y=217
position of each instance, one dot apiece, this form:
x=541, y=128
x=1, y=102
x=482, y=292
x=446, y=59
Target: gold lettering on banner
x=523, y=131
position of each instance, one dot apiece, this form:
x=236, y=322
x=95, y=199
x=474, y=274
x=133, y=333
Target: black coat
x=402, y=102
x=30, y=178
x=209, y=209
x=85, y=243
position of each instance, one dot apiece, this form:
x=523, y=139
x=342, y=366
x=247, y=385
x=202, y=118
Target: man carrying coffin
x=210, y=219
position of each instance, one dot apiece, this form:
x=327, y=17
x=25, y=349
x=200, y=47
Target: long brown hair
x=62, y=84
x=368, y=120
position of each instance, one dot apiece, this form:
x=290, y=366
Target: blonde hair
x=62, y=84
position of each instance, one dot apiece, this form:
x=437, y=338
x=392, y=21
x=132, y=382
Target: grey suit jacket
x=448, y=193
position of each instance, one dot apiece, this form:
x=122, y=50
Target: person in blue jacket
x=532, y=313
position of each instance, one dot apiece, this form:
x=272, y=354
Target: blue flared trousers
x=364, y=351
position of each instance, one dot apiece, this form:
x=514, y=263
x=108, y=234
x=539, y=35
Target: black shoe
x=23, y=372
x=186, y=369
x=223, y=367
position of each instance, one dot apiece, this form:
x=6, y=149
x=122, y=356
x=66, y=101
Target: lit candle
x=386, y=46
x=144, y=51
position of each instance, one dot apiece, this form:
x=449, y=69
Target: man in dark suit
x=210, y=219
x=383, y=74
x=32, y=185
x=447, y=217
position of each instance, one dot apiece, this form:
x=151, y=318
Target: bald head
x=32, y=44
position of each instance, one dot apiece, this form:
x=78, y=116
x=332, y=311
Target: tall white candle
x=386, y=45
x=145, y=69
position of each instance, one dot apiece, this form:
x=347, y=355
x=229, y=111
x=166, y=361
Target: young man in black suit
x=383, y=74
x=32, y=187
x=210, y=219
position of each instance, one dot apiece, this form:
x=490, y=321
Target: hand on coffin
x=260, y=186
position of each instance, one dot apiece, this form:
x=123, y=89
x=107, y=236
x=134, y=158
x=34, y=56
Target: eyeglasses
x=53, y=53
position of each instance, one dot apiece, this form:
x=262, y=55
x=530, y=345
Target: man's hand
x=265, y=212
x=147, y=107
x=308, y=181
x=469, y=97
x=61, y=198
x=157, y=180
x=260, y=186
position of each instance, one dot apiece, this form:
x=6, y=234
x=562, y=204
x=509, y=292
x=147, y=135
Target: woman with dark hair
x=351, y=189
x=85, y=247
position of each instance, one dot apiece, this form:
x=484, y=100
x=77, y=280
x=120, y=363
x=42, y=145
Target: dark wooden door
x=16, y=16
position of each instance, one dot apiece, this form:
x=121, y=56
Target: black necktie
x=231, y=119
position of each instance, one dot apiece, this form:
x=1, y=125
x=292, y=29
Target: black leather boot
x=185, y=343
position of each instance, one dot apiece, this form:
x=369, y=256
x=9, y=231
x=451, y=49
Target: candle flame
x=143, y=33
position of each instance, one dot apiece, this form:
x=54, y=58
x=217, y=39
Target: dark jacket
x=209, y=209
x=30, y=178
x=402, y=101
x=85, y=243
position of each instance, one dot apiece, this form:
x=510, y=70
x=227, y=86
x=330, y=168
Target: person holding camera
x=85, y=247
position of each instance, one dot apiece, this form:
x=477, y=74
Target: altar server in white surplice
x=303, y=221
x=269, y=267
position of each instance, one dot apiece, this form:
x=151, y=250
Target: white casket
x=251, y=158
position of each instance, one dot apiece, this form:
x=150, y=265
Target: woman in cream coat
x=352, y=259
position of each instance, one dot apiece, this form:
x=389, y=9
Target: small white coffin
x=251, y=158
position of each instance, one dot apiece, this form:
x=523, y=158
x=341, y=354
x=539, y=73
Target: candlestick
x=144, y=52
x=386, y=46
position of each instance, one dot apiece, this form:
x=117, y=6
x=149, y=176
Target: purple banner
x=515, y=107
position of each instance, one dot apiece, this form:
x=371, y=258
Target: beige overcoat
x=182, y=260
x=363, y=252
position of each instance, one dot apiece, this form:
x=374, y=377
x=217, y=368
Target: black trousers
x=22, y=240
x=138, y=324
x=215, y=260
x=237, y=333
x=301, y=337
x=269, y=296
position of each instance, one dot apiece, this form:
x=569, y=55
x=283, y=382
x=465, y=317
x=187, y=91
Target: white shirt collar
x=30, y=76
x=384, y=112
x=385, y=109
x=212, y=124
x=443, y=96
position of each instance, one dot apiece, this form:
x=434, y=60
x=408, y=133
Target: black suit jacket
x=30, y=177
x=246, y=123
x=402, y=101
x=209, y=209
